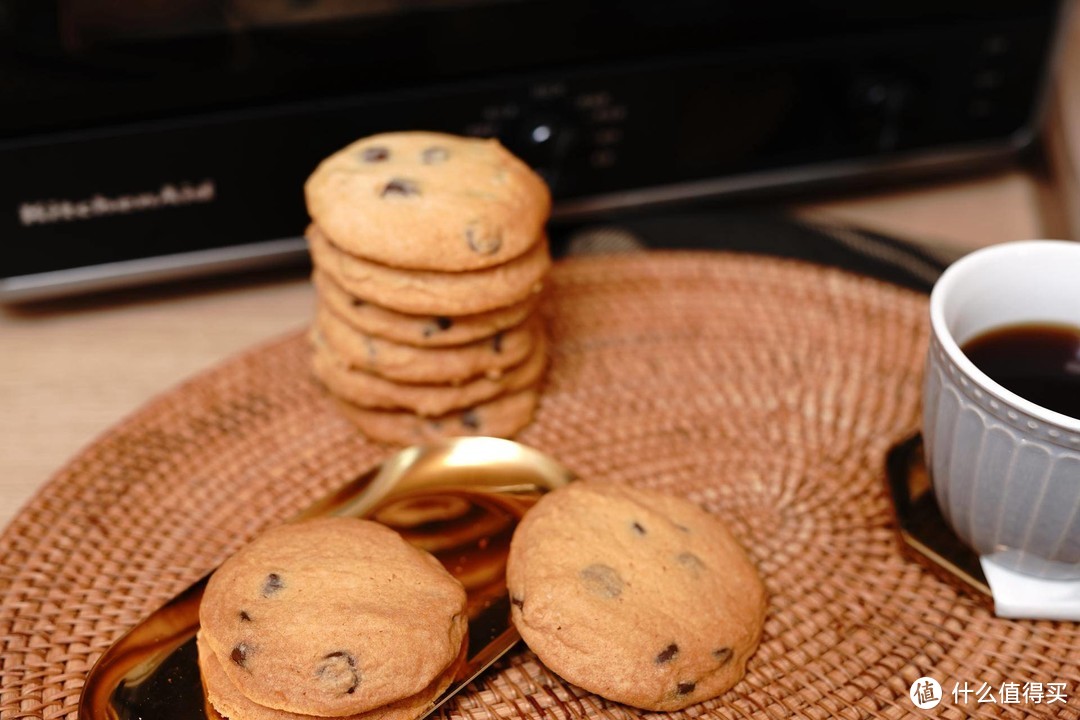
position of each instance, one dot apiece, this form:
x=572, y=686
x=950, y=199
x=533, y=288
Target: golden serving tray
x=459, y=499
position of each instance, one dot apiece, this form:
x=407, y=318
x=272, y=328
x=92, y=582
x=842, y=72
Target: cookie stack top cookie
x=430, y=201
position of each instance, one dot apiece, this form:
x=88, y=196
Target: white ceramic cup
x=1005, y=471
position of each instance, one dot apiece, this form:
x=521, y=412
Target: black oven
x=145, y=139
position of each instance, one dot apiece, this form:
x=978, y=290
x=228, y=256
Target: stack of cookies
x=335, y=617
x=429, y=254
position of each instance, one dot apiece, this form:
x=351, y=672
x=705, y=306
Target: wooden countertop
x=71, y=370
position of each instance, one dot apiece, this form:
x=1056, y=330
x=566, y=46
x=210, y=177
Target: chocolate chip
x=685, y=688
x=691, y=562
x=434, y=154
x=244, y=617
x=357, y=302
x=337, y=673
x=272, y=584
x=519, y=602
x=497, y=342
x=602, y=580
x=638, y=528
x=470, y=419
x=440, y=323
x=400, y=187
x=483, y=243
x=239, y=654
x=375, y=154
x=668, y=654
x=723, y=655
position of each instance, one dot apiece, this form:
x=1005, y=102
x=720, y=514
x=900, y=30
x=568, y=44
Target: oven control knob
x=883, y=104
x=545, y=142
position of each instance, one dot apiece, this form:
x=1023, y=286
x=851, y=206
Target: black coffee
x=1039, y=362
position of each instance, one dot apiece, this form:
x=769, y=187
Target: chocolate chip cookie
x=227, y=700
x=408, y=363
x=332, y=617
x=429, y=201
x=639, y=597
x=419, y=330
x=425, y=399
x=502, y=416
x=428, y=292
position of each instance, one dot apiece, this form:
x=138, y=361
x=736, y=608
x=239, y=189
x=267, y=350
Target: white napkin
x=1031, y=598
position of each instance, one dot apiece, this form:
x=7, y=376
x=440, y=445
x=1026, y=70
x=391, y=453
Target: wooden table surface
x=71, y=370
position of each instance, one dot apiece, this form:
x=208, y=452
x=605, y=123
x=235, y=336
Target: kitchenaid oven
x=145, y=139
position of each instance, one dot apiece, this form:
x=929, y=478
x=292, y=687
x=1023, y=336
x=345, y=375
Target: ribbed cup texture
x=1008, y=483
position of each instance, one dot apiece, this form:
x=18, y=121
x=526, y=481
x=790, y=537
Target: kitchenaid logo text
x=45, y=212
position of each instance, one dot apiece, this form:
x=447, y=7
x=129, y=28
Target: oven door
x=146, y=139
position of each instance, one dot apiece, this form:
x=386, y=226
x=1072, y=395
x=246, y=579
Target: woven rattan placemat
x=766, y=390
